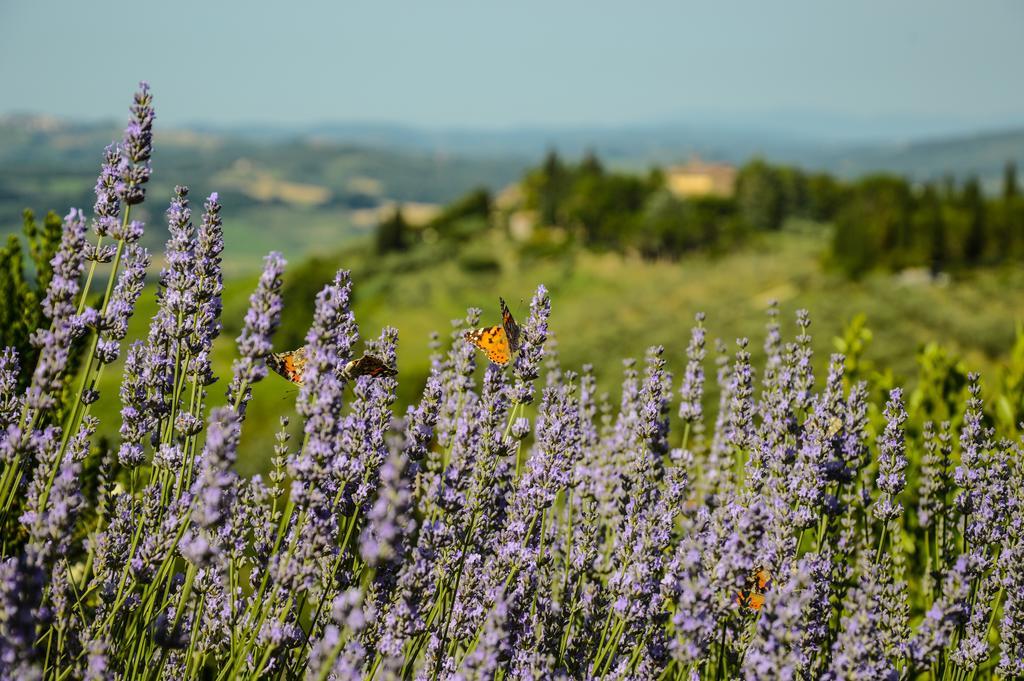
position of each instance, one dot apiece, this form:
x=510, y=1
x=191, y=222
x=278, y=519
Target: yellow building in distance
x=698, y=178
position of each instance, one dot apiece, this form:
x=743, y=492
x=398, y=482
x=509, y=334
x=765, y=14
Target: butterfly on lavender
x=497, y=342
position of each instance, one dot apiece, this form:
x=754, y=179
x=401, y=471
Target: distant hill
x=296, y=194
x=929, y=154
x=982, y=154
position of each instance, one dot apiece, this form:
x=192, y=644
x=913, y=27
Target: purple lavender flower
x=935, y=473
x=531, y=347
x=136, y=421
x=973, y=440
x=21, y=586
x=645, y=534
x=740, y=424
x=972, y=649
x=772, y=348
x=800, y=360
x=455, y=372
x=339, y=652
x=718, y=476
x=136, y=149
x=654, y=403
x=793, y=626
x=214, y=490
x=859, y=652
x=364, y=429
x=691, y=392
x=52, y=507
x=494, y=650
x=10, y=402
x=67, y=264
x=97, y=661
x=421, y=419
x=551, y=461
x=59, y=305
x=166, y=340
x=315, y=471
x=941, y=620
x=391, y=523
x=107, y=209
x=892, y=460
x=204, y=288
x=802, y=483
x=743, y=544
x=114, y=322
x=983, y=474
x=261, y=320
x=1011, y=632
x=697, y=609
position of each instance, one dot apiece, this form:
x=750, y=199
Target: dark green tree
x=465, y=216
x=975, y=241
x=931, y=226
x=1010, y=187
x=760, y=196
x=605, y=207
x=392, y=233
x=824, y=195
x=547, y=187
x=1007, y=215
x=591, y=164
x=873, y=226
x=793, y=184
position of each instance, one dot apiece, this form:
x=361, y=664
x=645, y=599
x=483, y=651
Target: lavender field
x=511, y=524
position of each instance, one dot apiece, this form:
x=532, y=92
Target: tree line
x=879, y=221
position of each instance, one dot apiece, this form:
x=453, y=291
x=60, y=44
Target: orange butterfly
x=289, y=364
x=497, y=342
x=757, y=584
x=292, y=364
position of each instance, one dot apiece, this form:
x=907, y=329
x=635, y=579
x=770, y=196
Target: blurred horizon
x=860, y=73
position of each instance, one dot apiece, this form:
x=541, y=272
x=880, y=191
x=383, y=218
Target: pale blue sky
x=493, y=64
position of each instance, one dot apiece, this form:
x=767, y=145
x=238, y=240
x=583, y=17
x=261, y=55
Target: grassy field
x=607, y=307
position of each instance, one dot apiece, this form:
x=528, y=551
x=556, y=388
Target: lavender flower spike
x=10, y=402
x=137, y=148
x=691, y=392
x=214, y=491
x=254, y=343
x=531, y=350
x=114, y=323
x=1011, y=635
x=59, y=305
x=107, y=208
x=892, y=460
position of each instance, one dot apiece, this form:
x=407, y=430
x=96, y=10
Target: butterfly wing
x=755, y=601
x=493, y=341
x=368, y=365
x=512, y=330
x=289, y=364
x=753, y=596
